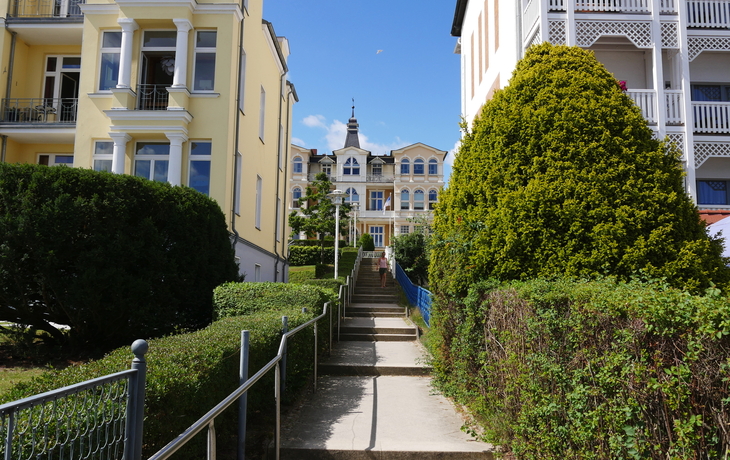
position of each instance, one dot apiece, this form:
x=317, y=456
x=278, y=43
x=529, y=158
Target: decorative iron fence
x=97, y=419
x=45, y=9
x=152, y=97
x=417, y=296
x=40, y=110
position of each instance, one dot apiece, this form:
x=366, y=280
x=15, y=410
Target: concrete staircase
x=374, y=399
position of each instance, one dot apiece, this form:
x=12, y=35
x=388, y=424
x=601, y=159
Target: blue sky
x=395, y=57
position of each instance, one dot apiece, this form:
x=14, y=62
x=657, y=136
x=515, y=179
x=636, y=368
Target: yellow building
x=391, y=194
x=189, y=92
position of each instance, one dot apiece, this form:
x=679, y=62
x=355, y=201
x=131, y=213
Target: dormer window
x=351, y=168
x=377, y=169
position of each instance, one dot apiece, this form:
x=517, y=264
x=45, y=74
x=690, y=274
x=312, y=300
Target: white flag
x=387, y=203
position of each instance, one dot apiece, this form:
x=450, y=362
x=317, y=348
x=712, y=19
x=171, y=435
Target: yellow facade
x=189, y=92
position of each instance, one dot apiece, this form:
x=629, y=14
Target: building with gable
x=391, y=193
x=190, y=92
x=673, y=55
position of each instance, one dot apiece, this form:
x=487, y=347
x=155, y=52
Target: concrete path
x=377, y=402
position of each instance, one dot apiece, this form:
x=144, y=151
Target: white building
x=674, y=56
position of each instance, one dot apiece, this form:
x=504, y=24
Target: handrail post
x=284, y=330
x=135, y=407
x=211, y=440
x=243, y=400
x=277, y=397
x=315, y=355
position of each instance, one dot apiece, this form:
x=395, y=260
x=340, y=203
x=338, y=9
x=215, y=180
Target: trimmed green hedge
x=188, y=374
x=330, y=283
x=112, y=256
x=234, y=299
x=328, y=243
x=309, y=255
x=590, y=370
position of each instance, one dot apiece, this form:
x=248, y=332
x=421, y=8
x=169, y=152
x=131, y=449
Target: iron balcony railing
x=152, y=96
x=39, y=110
x=100, y=418
x=45, y=9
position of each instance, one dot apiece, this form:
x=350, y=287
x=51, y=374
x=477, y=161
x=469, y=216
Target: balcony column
x=179, y=79
x=125, y=58
x=656, y=38
x=119, y=152
x=570, y=22
x=689, y=123
x=174, y=170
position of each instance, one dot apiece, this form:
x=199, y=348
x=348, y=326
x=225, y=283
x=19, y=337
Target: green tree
x=316, y=216
x=560, y=174
x=411, y=252
x=114, y=257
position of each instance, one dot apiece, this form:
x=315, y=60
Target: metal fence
x=97, y=419
x=45, y=9
x=40, y=110
x=152, y=97
x=416, y=295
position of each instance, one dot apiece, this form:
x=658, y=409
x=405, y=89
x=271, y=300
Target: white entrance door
x=377, y=233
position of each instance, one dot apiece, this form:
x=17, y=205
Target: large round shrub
x=560, y=174
x=114, y=257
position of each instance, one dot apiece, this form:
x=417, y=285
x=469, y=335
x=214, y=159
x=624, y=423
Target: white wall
x=629, y=66
x=710, y=67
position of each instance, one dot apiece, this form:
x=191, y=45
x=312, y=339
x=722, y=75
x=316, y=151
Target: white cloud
x=299, y=142
x=336, y=133
x=451, y=156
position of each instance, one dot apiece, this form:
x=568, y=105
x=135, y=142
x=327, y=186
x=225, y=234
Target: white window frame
x=435, y=164
x=422, y=164
x=259, y=189
x=405, y=229
x=405, y=163
x=297, y=162
x=432, y=202
x=405, y=205
x=378, y=234
x=200, y=159
x=199, y=51
x=154, y=159
x=376, y=200
x=350, y=193
x=257, y=273
x=296, y=193
x=419, y=205
x=56, y=159
x=103, y=155
x=350, y=167
x=110, y=51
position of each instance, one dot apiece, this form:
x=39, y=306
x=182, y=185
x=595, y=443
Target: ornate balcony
x=39, y=110
x=152, y=97
x=708, y=14
x=711, y=117
x=57, y=9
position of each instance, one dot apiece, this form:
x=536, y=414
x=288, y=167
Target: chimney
x=314, y=151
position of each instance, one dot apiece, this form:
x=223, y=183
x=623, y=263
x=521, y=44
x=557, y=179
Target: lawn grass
x=9, y=376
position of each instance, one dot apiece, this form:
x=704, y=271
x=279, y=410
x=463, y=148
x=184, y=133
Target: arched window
x=352, y=167
x=418, y=166
x=405, y=199
x=418, y=200
x=297, y=165
x=433, y=167
x=352, y=196
x=432, y=199
x=296, y=194
x=405, y=166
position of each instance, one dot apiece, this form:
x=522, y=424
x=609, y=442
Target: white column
x=570, y=22
x=689, y=151
x=181, y=53
x=119, y=152
x=174, y=168
x=125, y=58
x=661, y=103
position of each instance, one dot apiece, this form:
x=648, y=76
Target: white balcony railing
x=530, y=17
x=615, y=6
x=674, y=104
x=646, y=100
x=708, y=13
x=711, y=117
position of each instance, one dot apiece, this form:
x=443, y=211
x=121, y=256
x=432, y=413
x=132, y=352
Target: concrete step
x=345, y=337
x=375, y=309
x=375, y=298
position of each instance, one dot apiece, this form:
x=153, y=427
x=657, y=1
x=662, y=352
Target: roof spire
x=353, y=138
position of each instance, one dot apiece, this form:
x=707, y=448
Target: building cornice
x=149, y=115
x=459, y=13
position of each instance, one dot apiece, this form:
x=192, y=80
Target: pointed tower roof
x=353, y=138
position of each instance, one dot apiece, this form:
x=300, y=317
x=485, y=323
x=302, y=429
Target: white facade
x=674, y=56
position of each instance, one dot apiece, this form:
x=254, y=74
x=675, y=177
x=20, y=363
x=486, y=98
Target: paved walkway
x=375, y=399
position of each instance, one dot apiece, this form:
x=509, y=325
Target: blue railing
x=417, y=295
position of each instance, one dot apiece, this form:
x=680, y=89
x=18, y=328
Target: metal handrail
x=207, y=420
